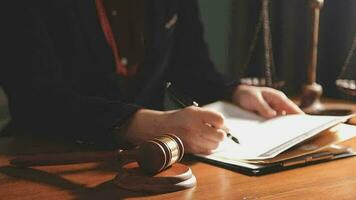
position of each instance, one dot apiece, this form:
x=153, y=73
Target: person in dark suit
x=95, y=70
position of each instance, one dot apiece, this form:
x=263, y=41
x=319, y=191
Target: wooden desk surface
x=332, y=180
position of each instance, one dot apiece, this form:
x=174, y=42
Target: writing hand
x=200, y=130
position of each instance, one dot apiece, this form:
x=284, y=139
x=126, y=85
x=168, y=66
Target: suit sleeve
x=193, y=71
x=40, y=99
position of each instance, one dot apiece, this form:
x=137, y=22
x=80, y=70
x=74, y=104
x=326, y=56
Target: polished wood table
x=331, y=180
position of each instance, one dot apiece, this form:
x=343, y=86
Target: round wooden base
x=177, y=177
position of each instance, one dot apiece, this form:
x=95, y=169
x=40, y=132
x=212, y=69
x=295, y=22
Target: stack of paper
x=264, y=139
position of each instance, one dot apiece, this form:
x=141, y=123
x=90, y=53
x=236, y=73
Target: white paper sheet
x=261, y=138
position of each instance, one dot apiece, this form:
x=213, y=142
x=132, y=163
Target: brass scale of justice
x=311, y=91
x=153, y=166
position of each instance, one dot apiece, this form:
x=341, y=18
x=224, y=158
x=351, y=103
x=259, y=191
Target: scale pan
x=261, y=82
x=347, y=86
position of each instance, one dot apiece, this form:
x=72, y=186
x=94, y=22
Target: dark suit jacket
x=58, y=69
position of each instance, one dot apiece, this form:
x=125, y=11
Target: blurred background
x=229, y=27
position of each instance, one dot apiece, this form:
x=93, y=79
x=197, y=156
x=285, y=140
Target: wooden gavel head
x=159, y=153
x=152, y=156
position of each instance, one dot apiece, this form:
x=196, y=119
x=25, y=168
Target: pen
x=184, y=101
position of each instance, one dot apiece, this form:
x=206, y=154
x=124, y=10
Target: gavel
x=152, y=156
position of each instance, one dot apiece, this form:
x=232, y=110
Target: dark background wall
x=215, y=16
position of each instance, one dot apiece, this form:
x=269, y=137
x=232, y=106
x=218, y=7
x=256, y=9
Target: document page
x=266, y=138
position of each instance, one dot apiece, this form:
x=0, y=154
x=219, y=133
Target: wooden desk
x=332, y=180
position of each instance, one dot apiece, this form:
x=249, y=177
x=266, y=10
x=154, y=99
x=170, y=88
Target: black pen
x=184, y=101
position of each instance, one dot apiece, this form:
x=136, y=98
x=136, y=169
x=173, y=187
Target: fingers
x=290, y=107
x=280, y=102
x=212, y=134
x=268, y=102
x=208, y=140
x=263, y=108
x=204, y=132
x=210, y=131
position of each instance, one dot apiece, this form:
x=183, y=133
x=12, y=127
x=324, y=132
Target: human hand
x=267, y=102
x=199, y=129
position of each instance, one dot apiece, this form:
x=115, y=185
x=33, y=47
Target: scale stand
x=312, y=91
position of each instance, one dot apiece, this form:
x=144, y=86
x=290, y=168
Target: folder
x=285, y=142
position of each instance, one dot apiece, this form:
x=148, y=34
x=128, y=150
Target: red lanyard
x=121, y=68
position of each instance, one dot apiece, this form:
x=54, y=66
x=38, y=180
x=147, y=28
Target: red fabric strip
x=105, y=24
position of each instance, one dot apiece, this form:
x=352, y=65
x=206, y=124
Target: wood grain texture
x=332, y=180
x=176, y=177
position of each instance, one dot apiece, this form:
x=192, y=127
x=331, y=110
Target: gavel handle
x=72, y=158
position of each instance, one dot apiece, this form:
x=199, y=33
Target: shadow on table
x=56, y=177
x=106, y=190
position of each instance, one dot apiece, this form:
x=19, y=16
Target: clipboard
x=322, y=148
x=311, y=159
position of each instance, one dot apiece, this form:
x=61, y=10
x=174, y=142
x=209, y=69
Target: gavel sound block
x=152, y=167
x=154, y=156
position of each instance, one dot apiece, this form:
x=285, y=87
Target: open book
x=264, y=140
